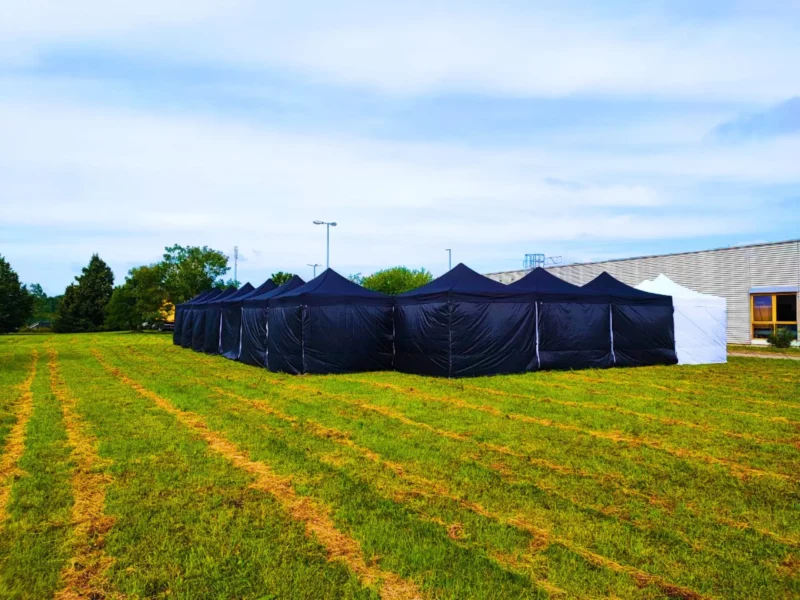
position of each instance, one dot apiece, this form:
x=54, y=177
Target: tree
x=150, y=292
x=121, y=313
x=395, y=280
x=16, y=303
x=190, y=270
x=141, y=299
x=224, y=285
x=280, y=277
x=84, y=305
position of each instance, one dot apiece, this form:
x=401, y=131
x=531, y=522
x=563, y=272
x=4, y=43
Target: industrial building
x=761, y=282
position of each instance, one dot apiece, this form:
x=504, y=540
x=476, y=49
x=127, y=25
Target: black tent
x=180, y=310
x=464, y=324
x=330, y=325
x=253, y=346
x=200, y=313
x=642, y=323
x=188, y=316
x=572, y=323
x=231, y=321
x=213, y=327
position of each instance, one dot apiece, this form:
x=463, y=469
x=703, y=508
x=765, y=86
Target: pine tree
x=16, y=303
x=83, y=307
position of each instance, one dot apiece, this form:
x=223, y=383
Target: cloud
x=417, y=48
x=134, y=182
x=130, y=127
x=781, y=119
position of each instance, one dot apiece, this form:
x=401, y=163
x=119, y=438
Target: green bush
x=782, y=338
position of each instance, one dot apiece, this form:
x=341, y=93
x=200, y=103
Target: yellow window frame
x=772, y=323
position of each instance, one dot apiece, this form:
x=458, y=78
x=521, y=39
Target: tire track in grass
x=85, y=574
x=311, y=513
x=423, y=486
x=736, y=469
x=15, y=441
x=604, y=480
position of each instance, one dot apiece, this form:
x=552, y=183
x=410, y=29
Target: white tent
x=701, y=322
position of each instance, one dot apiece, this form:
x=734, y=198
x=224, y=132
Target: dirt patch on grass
x=15, y=442
x=313, y=514
x=85, y=574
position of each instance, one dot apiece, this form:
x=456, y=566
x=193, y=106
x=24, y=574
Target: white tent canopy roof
x=664, y=285
x=700, y=322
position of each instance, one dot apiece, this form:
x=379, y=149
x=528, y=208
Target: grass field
x=133, y=468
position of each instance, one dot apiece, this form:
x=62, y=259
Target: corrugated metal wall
x=728, y=272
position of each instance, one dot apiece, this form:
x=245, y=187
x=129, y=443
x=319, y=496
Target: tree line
x=149, y=294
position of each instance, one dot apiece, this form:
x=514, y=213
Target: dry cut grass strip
x=85, y=574
x=560, y=469
x=15, y=442
x=421, y=486
x=736, y=469
x=625, y=411
x=617, y=481
x=314, y=515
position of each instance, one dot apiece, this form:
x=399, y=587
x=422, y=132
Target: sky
x=580, y=130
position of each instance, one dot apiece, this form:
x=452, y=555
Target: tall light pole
x=236, y=263
x=315, y=265
x=328, y=240
x=449, y=258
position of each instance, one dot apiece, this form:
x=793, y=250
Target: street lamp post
x=314, y=266
x=328, y=240
x=449, y=258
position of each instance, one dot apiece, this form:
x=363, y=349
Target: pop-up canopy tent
x=330, y=325
x=190, y=310
x=643, y=331
x=202, y=313
x=253, y=346
x=701, y=322
x=231, y=330
x=464, y=324
x=572, y=323
x=214, y=315
x=213, y=323
x=180, y=310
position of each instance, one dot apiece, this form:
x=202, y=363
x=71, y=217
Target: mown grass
x=757, y=348
x=34, y=533
x=629, y=483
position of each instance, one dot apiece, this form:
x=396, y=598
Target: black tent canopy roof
x=459, y=283
x=240, y=293
x=199, y=297
x=330, y=288
x=606, y=285
x=287, y=286
x=212, y=295
x=543, y=285
x=216, y=302
x=258, y=294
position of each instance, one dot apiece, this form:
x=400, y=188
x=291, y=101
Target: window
x=762, y=308
x=773, y=311
x=786, y=308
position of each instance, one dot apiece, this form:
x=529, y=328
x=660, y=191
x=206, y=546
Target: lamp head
x=319, y=222
x=333, y=224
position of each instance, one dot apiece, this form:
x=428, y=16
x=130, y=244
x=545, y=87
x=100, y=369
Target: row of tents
x=460, y=324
